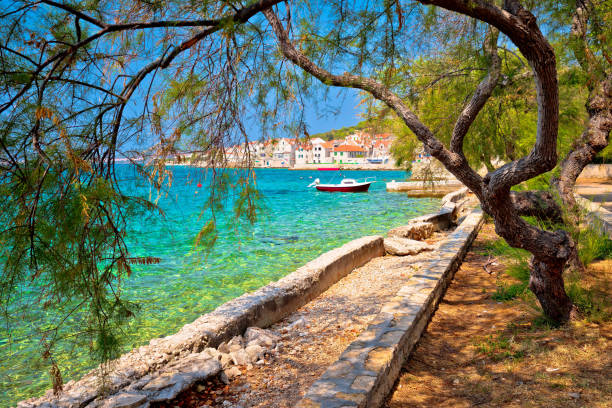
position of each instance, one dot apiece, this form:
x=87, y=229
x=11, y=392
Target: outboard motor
x=314, y=183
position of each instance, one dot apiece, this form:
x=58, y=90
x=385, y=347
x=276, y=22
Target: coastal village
x=360, y=149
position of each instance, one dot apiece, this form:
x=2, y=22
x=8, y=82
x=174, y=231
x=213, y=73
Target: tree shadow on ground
x=479, y=352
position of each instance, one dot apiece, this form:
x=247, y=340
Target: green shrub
x=593, y=308
x=592, y=245
x=505, y=293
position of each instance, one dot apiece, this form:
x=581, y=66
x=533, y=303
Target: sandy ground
x=479, y=352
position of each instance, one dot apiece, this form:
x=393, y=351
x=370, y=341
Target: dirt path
x=313, y=337
x=479, y=352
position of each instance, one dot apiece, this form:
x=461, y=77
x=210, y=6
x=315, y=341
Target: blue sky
x=346, y=112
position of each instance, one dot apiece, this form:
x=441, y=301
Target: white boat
x=347, y=185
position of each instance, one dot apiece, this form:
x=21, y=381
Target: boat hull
x=358, y=188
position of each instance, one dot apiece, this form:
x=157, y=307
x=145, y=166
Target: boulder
x=415, y=230
x=192, y=369
x=405, y=246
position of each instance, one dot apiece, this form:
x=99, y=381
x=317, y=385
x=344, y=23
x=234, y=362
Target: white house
x=321, y=151
x=284, y=152
x=349, y=153
x=303, y=153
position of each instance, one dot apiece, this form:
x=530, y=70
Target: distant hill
x=368, y=126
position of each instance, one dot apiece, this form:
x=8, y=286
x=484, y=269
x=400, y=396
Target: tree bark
x=540, y=204
x=599, y=107
x=546, y=282
x=593, y=140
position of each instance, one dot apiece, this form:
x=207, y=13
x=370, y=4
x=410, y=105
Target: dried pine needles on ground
x=489, y=346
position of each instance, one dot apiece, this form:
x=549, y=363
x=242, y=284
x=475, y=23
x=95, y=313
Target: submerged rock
x=405, y=246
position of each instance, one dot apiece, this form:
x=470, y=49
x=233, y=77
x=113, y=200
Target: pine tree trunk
x=546, y=282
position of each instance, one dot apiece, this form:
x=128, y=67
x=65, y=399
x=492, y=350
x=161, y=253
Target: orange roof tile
x=348, y=148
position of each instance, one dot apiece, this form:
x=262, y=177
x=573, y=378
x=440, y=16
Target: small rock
x=211, y=352
x=236, y=340
x=262, y=337
x=239, y=357
x=456, y=381
x=125, y=400
x=225, y=360
x=574, y=395
x=254, y=352
x=405, y=246
x=235, y=347
x=224, y=378
x=165, y=380
x=298, y=324
x=232, y=372
x=551, y=370
x=417, y=230
x=224, y=348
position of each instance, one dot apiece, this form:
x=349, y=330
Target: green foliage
x=504, y=292
x=499, y=348
x=368, y=125
x=591, y=306
x=517, y=267
x=593, y=244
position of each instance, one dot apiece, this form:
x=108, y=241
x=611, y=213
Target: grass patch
x=506, y=292
x=593, y=245
x=592, y=305
x=517, y=267
x=499, y=348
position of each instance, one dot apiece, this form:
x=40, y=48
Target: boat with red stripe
x=347, y=185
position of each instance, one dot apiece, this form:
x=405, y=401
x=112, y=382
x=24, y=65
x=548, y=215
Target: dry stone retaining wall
x=368, y=368
x=135, y=377
x=598, y=216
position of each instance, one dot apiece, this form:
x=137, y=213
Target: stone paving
x=367, y=369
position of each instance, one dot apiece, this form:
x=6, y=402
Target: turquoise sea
x=299, y=224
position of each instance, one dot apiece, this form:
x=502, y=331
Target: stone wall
x=596, y=173
x=146, y=364
x=366, y=371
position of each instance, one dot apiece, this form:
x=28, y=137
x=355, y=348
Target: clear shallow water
x=300, y=223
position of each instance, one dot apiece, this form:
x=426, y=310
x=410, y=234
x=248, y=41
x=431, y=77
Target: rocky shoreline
x=168, y=366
